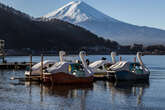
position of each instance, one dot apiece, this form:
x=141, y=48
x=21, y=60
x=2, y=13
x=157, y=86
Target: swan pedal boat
x=129, y=71
x=36, y=69
x=125, y=70
x=68, y=73
x=100, y=67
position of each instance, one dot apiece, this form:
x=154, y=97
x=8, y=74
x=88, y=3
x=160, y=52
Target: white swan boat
x=36, y=69
x=101, y=66
x=69, y=72
x=124, y=70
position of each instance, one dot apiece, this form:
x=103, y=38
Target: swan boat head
x=61, y=54
x=113, y=55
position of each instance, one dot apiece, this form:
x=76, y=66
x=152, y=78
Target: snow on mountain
x=80, y=13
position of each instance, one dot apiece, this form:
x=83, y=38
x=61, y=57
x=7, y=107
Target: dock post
x=30, y=66
x=42, y=67
x=3, y=57
x=135, y=59
x=120, y=58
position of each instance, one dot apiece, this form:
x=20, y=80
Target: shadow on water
x=62, y=95
x=130, y=84
x=128, y=89
x=66, y=91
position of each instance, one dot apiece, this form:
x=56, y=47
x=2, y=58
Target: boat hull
x=64, y=78
x=126, y=75
x=33, y=73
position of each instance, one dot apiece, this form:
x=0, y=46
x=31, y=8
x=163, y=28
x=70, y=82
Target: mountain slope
x=20, y=31
x=80, y=13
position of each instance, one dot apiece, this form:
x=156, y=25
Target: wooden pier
x=15, y=65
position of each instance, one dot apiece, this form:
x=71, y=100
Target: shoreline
x=101, y=52
x=76, y=54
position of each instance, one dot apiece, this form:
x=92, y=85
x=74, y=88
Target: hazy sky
x=140, y=12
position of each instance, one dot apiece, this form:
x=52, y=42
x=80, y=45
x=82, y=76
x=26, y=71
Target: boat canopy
x=118, y=65
x=45, y=63
x=98, y=63
x=121, y=65
x=125, y=65
x=59, y=67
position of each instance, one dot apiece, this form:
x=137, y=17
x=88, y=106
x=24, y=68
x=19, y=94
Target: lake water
x=101, y=95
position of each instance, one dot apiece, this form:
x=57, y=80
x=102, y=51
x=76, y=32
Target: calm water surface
x=101, y=95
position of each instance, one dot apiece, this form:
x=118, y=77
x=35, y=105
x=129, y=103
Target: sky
x=138, y=12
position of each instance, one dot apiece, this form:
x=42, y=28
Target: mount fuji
x=82, y=14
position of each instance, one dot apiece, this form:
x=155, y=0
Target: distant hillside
x=19, y=30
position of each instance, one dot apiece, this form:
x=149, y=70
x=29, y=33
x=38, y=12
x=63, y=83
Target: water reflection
x=60, y=93
x=128, y=89
x=67, y=91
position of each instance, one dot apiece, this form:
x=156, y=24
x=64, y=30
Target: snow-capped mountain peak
x=78, y=11
x=82, y=14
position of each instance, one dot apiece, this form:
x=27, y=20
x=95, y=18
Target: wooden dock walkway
x=15, y=65
x=100, y=77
